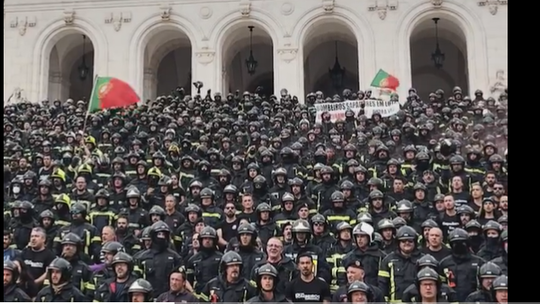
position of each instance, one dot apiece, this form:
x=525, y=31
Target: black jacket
x=218, y=290
x=12, y=293
x=69, y=293
x=370, y=260
x=460, y=273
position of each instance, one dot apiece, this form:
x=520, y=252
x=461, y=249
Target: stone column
x=55, y=89
x=149, y=84
x=204, y=67
x=289, y=72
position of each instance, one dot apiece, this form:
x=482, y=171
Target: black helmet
x=361, y=287
x=113, y=247
x=11, y=266
x=157, y=210
x=264, y=207
x=141, y=286
x=208, y=232
x=61, y=265
x=406, y=233
x=318, y=219
x=500, y=283
x=427, y=261
x=160, y=226
x=78, y=208
x=122, y=257
x=404, y=206
x=145, y=234
x=385, y=224
x=71, y=238
x=337, y=197
x=399, y=222
x=206, y=193
x=489, y=270
x=458, y=235
x=246, y=229
x=301, y=226
x=428, y=274
x=230, y=258
x=429, y=223
x=267, y=269
x=492, y=225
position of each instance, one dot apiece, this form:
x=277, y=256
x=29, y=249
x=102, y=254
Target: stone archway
x=326, y=41
x=236, y=50
x=167, y=62
x=64, y=61
x=426, y=78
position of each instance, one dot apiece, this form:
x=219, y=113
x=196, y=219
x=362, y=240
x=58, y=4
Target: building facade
x=159, y=45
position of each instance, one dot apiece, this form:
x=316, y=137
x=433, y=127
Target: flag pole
x=90, y=102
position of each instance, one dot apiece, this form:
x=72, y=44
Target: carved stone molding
x=205, y=57
x=206, y=12
x=493, y=5
x=117, y=19
x=287, y=54
x=382, y=7
x=23, y=23
x=69, y=16
x=436, y=3
x=245, y=8
x=165, y=12
x=328, y=6
x=287, y=8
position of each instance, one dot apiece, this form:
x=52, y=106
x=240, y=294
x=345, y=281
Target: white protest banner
x=337, y=109
x=384, y=107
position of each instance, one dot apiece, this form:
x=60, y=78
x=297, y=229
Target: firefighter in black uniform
x=460, y=268
x=61, y=289
x=204, y=265
x=499, y=289
x=71, y=252
x=339, y=249
x=88, y=233
x=12, y=293
x=301, y=234
x=428, y=283
x=366, y=251
x=229, y=286
x=156, y=263
x=267, y=277
x=247, y=237
x=115, y=289
x=411, y=293
x=108, y=251
x=398, y=269
x=487, y=274
x=359, y=292
x=140, y=291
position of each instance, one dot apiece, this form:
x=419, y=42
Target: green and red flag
x=383, y=80
x=110, y=92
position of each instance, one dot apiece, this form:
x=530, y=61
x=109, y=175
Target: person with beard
x=398, y=269
x=492, y=246
x=247, y=248
x=229, y=286
x=227, y=228
x=155, y=264
x=36, y=256
x=204, y=265
x=307, y=287
x=71, y=246
x=115, y=289
x=285, y=266
x=10, y=252
x=124, y=235
x=22, y=223
x=61, y=288
x=12, y=293
x=86, y=232
x=487, y=274
x=267, y=281
x=105, y=271
x=460, y=267
x=301, y=236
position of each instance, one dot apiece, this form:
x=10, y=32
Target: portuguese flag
x=384, y=80
x=110, y=92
